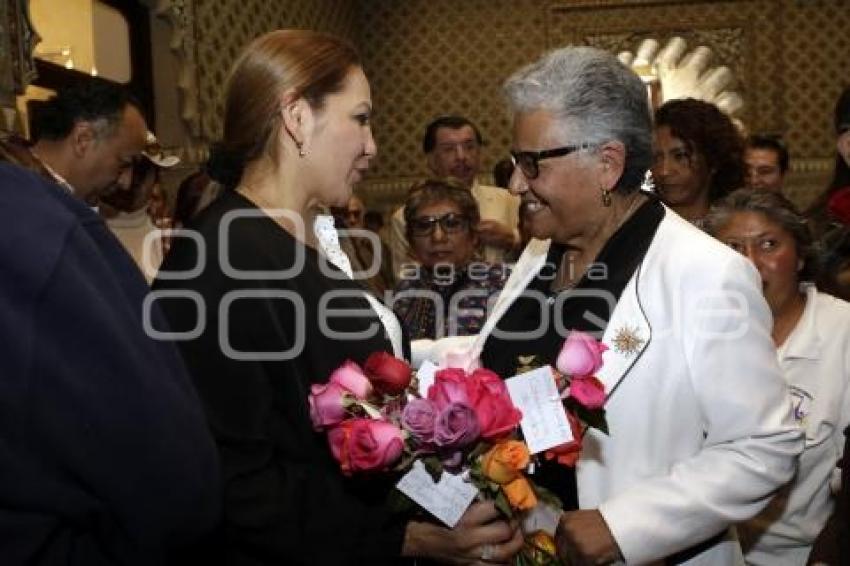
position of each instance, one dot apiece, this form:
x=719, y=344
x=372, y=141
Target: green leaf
x=434, y=467
x=480, y=449
x=547, y=496
x=503, y=505
x=594, y=418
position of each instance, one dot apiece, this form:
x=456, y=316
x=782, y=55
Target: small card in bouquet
x=446, y=500
x=544, y=421
x=425, y=376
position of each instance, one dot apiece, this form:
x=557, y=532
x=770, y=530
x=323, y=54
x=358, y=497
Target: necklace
x=570, y=272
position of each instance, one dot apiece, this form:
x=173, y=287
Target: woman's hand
x=480, y=537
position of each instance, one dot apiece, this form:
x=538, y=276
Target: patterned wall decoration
x=725, y=27
x=425, y=58
x=224, y=27
x=816, y=65
x=790, y=59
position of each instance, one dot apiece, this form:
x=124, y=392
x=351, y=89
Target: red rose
x=387, y=373
x=588, y=391
x=488, y=396
x=567, y=454
x=449, y=387
x=839, y=205
x=362, y=445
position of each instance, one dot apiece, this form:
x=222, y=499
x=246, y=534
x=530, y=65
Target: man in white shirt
x=452, y=146
x=125, y=208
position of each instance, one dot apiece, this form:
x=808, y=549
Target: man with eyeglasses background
x=452, y=146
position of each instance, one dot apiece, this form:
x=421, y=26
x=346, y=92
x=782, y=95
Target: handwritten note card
x=425, y=375
x=544, y=421
x=446, y=500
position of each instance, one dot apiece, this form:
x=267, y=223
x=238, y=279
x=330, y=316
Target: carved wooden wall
x=431, y=57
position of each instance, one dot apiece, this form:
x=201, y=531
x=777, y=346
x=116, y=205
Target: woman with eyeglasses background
x=447, y=293
x=698, y=156
x=700, y=434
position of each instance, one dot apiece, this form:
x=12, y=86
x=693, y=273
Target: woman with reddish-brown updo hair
x=265, y=306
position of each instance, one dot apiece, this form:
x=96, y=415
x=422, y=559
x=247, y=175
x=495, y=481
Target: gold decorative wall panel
x=739, y=34
x=224, y=27
x=816, y=65
x=425, y=58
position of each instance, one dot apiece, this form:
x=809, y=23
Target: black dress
x=585, y=307
x=285, y=500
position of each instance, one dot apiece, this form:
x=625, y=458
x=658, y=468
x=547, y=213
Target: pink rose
x=489, y=398
x=580, y=355
x=362, y=445
x=588, y=391
x=351, y=377
x=419, y=418
x=449, y=387
x=326, y=404
x=387, y=373
x=456, y=427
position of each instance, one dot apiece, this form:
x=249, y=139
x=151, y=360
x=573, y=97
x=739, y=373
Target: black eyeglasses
x=450, y=223
x=529, y=161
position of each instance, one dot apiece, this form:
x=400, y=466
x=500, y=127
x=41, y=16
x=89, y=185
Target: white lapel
x=529, y=264
x=627, y=335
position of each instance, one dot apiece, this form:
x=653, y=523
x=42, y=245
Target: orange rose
x=504, y=461
x=520, y=494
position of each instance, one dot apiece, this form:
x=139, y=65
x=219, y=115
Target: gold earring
x=606, y=198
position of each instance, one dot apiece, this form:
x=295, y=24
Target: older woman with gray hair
x=811, y=331
x=700, y=428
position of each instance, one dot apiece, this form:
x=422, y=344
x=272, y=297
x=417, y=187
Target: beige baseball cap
x=153, y=151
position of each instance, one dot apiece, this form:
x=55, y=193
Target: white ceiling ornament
x=681, y=74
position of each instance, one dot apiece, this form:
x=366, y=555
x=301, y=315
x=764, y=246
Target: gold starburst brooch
x=627, y=341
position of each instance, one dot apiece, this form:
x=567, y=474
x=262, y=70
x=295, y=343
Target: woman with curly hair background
x=697, y=156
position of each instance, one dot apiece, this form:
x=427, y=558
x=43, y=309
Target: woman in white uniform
x=812, y=335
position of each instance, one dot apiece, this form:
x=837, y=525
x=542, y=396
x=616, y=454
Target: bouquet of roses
x=464, y=423
x=583, y=394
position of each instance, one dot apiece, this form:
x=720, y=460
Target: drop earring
x=300, y=146
x=606, y=198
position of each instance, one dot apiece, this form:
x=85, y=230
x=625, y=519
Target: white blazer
x=701, y=428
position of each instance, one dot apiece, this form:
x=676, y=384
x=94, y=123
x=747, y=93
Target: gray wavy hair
x=776, y=208
x=595, y=98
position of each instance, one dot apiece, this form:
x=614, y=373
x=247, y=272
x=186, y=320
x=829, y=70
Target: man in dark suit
x=106, y=456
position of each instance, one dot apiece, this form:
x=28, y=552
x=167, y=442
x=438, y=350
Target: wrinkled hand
x=688, y=76
x=583, y=538
x=481, y=532
x=494, y=233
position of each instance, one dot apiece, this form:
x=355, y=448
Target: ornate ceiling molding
x=180, y=15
